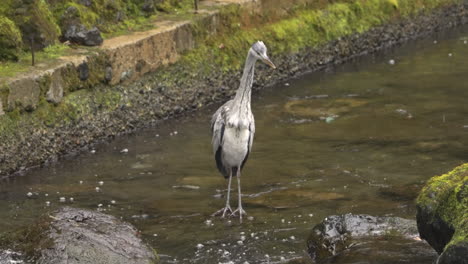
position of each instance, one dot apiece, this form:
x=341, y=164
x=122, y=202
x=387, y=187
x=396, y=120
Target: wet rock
x=10, y=256
x=83, y=71
x=108, y=74
x=442, y=213
x=82, y=236
x=77, y=33
x=382, y=239
x=55, y=93
x=24, y=94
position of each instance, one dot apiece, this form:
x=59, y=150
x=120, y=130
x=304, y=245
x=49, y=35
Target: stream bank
x=35, y=132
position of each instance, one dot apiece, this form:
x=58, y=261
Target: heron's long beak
x=268, y=62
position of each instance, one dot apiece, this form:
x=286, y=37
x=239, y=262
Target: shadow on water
x=360, y=138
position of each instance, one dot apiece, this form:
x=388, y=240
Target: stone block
x=24, y=94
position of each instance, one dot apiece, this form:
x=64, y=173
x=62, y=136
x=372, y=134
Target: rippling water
x=358, y=138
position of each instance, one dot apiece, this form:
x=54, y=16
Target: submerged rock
x=82, y=236
x=380, y=239
x=442, y=215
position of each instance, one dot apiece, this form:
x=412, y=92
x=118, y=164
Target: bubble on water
x=29, y=194
x=71, y=199
x=62, y=199
x=101, y=183
x=200, y=246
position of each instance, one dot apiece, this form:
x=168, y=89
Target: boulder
x=78, y=34
x=442, y=215
x=55, y=92
x=24, y=94
x=345, y=238
x=83, y=236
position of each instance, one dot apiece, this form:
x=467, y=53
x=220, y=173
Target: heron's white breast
x=235, y=145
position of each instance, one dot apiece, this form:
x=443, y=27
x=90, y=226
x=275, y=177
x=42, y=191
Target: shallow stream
x=361, y=138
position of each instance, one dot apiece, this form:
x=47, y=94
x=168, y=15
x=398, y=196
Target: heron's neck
x=242, y=99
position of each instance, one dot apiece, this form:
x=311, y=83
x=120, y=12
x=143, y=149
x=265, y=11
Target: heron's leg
x=239, y=209
x=224, y=210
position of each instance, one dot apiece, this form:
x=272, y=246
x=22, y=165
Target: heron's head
x=260, y=52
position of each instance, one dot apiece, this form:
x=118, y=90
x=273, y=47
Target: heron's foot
x=223, y=212
x=239, y=211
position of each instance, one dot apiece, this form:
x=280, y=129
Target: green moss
x=447, y=196
x=10, y=40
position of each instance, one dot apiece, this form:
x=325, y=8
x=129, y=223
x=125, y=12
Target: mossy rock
x=443, y=214
x=10, y=40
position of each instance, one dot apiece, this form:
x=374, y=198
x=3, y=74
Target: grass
x=48, y=55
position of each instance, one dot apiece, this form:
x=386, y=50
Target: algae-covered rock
x=345, y=238
x=10, y=40
x=83, y=236
x=443, y=215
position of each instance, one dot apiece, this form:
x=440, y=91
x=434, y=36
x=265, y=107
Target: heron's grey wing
x=252, y=131
x=217, y=127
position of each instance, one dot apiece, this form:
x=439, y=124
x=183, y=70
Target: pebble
x=98, y=189
x=62, y=199
x=72, y=199
x=242, y=238
x=47, y=203
x=286, y=84
x=464, y=42
x=101, y=183
x=200, y=246
x=99, y=205
x=450, y=54
x=29, y=194
x=292, y=237
x=175, y=132
x=46, y=195
x=208, y=222
x=250, y=218
x=435, y=41
x=93, y=151
x=240, y=243
x=81, y=182
x=113, y=202
x=391, y=62
x=125, y=150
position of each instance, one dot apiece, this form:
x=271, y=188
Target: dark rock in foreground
x=82, y=236
x=443, y=215
x=344, y=238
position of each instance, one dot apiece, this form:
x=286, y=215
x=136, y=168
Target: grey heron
x=233, y=128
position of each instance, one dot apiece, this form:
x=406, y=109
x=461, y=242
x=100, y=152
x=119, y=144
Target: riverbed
x=361, y=137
